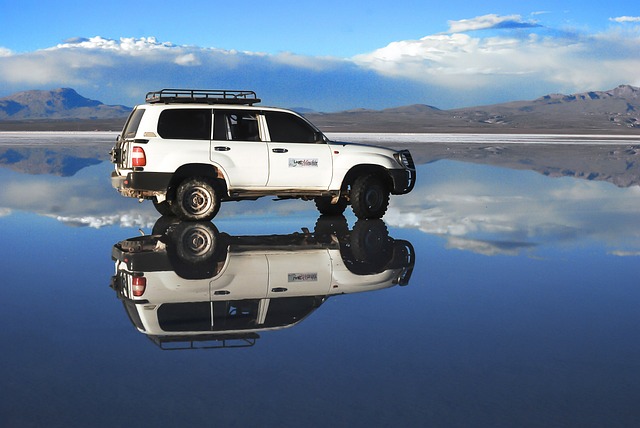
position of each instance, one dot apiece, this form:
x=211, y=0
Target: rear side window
x=288, y=128
x=185, y=124
x=133, y=122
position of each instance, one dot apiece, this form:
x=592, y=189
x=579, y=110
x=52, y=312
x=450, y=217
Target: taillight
x=138, y=285
x=138, y=157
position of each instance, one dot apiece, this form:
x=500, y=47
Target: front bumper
x=403, y=180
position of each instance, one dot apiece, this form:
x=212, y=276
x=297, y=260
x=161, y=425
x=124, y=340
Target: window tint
x=235, y=314
x=198, y=316
x=288, y=310
x=133, y=122
x=187, y=124
x=185, y=316
x=236, y=126
x=288, y=128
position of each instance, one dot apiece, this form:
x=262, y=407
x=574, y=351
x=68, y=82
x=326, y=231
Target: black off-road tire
x=192, y=249
x=370, y=243
x=369, y=197
x=197, y=199
x=195, y=241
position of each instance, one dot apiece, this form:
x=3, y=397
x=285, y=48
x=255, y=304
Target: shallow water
x=521, y=307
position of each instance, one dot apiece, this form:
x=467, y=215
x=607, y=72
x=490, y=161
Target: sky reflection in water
x=522, y=310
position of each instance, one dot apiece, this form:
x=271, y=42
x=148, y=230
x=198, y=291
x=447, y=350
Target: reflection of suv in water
x=190, y=150
x=190, y=284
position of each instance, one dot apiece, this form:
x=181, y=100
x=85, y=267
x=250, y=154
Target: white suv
x=188, y=283
x=189, y=150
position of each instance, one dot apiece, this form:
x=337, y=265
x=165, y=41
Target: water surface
x=521, y=309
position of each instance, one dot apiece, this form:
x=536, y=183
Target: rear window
x=185, y=124
x=133, y=122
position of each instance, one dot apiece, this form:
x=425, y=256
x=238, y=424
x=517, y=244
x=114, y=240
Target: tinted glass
x=235, y=314
x=289, y=128
x=132, y=124
x=289, y=310
x=236, y=126
x=185, y=124
x=194, y=316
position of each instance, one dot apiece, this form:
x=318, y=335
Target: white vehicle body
x=242, y=151
x=276, y=280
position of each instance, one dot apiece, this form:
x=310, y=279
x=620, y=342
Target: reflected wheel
x=324, y=205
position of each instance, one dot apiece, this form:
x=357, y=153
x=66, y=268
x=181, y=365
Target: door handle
x=221, y=149
x=278, y=290
x=221, y=293
x=279, y=150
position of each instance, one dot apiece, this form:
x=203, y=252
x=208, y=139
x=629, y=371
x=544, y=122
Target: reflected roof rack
x=202, y=96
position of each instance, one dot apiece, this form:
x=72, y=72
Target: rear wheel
x=369, y=197
x=197, y=199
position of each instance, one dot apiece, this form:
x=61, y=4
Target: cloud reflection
x=476, y=207
x=483, y=209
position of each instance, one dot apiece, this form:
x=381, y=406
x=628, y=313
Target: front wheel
x=369, y=197
x=197, y=199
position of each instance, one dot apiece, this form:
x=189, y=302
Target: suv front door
x=296, y=159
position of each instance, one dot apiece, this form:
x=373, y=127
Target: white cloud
x=622, y=19
x=123, y=44
x=486, y=22
x=512, y=58
x=568, y=62
x=122, y=220
x=188, y=60
x=621, y=253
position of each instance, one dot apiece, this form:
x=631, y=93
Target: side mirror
x=319, y=137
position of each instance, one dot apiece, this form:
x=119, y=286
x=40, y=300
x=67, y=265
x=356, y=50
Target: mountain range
x=613, y=111
x=616, y=110
x=57, y=104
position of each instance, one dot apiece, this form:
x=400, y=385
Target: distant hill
x=57, y=104
x=616, y=110
x=613, y=111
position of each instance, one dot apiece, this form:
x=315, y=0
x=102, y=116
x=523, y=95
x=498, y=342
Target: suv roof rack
x=202, y=96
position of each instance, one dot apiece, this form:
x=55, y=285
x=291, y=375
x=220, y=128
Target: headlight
x=404, y=158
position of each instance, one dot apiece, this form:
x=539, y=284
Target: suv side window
x=185, y=124
x=236, y=126
x=133, y=122
x=288, y=128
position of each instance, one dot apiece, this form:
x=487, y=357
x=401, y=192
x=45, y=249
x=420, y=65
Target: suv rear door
x=239, y=149
x=120, y=153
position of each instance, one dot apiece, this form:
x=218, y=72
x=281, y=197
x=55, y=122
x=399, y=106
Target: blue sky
x=326, y=55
